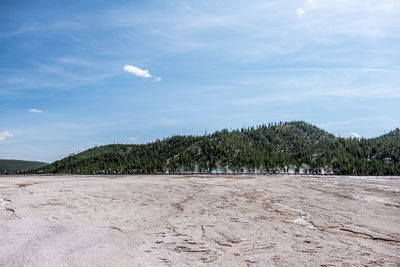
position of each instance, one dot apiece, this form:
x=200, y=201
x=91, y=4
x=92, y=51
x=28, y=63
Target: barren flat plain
x=195, y=220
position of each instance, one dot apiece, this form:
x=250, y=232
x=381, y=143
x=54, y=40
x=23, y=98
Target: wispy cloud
x=4, y=135
x=54, y=75
x=34, y=110
x=305, y=94
x=311, y=69
x=167, y=121
x=192, y=24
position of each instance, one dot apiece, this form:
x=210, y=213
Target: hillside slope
x=13, y=166
x=274, y=147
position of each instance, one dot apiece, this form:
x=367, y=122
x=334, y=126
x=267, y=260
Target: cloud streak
x=54, y=76
x=394, y=71
x=34, y=110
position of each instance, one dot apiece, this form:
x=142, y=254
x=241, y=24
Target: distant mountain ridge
x=281, y=147
x=14, y=166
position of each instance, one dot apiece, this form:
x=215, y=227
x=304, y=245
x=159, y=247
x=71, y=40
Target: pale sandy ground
x=200, y=220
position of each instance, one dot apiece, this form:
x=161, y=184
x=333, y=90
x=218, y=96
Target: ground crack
x=371, y=236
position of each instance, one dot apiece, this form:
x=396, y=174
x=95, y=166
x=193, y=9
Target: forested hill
x=16, y=166
x=283, y=147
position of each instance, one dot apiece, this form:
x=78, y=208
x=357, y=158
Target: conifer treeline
x=266, y=148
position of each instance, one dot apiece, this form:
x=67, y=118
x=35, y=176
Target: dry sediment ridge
x=200, y=220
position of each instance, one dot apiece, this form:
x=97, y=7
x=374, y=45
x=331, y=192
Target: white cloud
x=157, y=79
x=355, y=136
x=300, y=11
x=133, y=138
x=3, y=135
x=34, y=110
x=137, y=71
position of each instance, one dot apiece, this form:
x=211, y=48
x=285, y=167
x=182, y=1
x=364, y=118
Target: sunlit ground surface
x=199, y=220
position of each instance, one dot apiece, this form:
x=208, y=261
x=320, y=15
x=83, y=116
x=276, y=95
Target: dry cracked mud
x=251, y=220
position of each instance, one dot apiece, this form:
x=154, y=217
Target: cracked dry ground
x=200, y=220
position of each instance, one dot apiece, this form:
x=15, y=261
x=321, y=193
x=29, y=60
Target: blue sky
x=97, y=72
